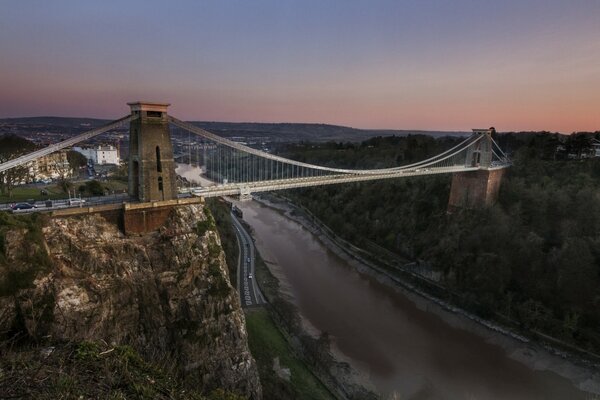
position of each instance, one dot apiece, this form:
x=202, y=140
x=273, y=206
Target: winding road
x=250, y=294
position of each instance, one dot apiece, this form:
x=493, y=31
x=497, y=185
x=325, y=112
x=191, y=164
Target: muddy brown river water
x=385, y=336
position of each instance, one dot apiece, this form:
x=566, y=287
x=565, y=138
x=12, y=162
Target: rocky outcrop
x=167, y=294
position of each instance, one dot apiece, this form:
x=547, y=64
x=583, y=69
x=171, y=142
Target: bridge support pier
x=474, y=189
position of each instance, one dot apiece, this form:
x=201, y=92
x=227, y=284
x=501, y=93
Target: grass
x=91, y=370
x=23, y=193
x=266, y=342
x=115, y=184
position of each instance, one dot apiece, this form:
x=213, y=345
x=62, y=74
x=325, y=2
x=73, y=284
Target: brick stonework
x=474, y=189
x=151, y=165
x=131, y=218
x=140, y=221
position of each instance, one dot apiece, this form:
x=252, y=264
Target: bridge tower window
x=158, y=163
x=160, y=184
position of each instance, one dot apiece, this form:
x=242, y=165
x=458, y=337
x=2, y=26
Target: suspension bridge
x=235, y=169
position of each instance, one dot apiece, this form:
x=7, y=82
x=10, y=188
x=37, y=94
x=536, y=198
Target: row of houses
x=587, y=150
x=56, y=165
x=52, y=166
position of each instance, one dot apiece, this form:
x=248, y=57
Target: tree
x=64, y=170
x=577, y=274
x=11, y=147
x=76, y=159
x=94, y=188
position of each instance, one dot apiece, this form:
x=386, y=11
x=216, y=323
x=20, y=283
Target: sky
x=403, y=64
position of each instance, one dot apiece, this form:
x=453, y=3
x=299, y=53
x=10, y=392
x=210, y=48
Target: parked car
x=23, y=206
x=75, y=202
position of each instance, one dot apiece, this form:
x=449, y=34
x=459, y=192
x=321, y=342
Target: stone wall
x=474, y=189
x=140, y=221
x=151, y=158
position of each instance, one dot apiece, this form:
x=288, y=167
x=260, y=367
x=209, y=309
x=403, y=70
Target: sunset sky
x=419, y=64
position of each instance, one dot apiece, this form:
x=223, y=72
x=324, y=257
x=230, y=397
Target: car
x=248, y=259
x=75, y=201
x=249, y=276
x=23, y=206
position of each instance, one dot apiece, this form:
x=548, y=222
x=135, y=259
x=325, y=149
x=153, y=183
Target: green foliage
x=87, y=351
x=92, y=188
x=218, y=284
x=76, y=160
x=32, y=257
x=65, y=185
x=214, y=250
x=266, y=343
x=220, y=210
x=12, y=146
x=207, y=225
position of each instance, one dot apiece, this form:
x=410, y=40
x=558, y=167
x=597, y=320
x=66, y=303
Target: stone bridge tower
x=151, y=165
x=478, y=188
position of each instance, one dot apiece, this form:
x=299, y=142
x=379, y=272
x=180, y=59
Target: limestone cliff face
x=166, y=293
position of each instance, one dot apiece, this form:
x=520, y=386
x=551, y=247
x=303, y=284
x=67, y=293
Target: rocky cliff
x=165, y=294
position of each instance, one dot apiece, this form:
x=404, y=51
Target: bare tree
x=13, y=146
x=64, y=170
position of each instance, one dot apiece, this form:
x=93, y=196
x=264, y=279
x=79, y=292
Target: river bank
x=530, y=354
x=327, y=364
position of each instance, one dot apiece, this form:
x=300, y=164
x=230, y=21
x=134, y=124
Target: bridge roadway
x=60, y=204
x=250, y=294
x=242, y=188
x=247, y=188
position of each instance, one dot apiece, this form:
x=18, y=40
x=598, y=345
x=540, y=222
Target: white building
x=596, y=147
x=100, y=155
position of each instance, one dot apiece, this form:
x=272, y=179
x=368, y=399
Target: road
x=250, y=294
x=63, y=203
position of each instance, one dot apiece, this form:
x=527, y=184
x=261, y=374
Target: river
x=383, y=334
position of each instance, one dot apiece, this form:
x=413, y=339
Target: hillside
x=286, y=132
x=163, y=301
